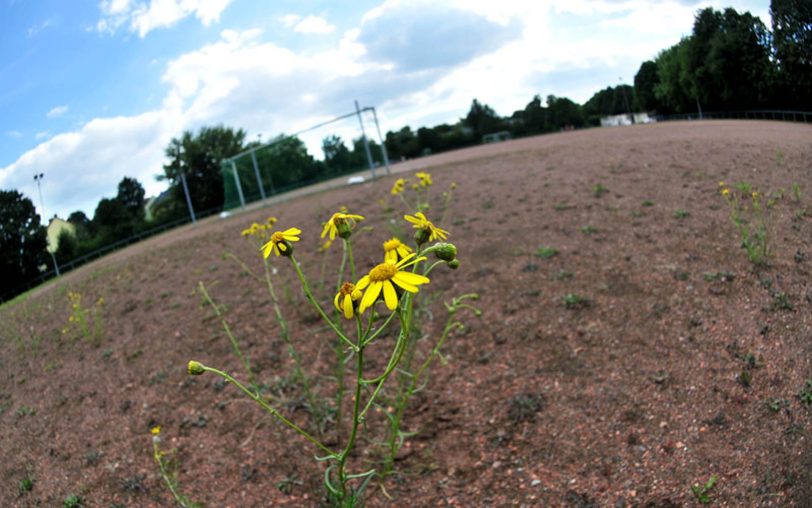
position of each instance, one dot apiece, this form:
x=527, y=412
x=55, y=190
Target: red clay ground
x=664, y=379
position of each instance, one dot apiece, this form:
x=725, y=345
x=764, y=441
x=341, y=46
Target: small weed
x=796, y=192
x=487, y=205
x=524, y=407
x=25, y=411
x=563, y=275
x=72, y=501
x=546, y=252
x=599, y=190
x=745, y=378
x=286, y=484
x=781, y=301
x=575, y=301
x=779, y=157
x=26, y=485
x=805, y=395
x=681, y=214
x=775, y=405
x=588, y=230
x=647, y=202
x=722, y=276
x=560, y=207
x=701, y=491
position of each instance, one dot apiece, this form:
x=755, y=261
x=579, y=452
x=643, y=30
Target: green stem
x=348, y=247
x=315, y=303
x=356, y=419
x=234, y=345
x=270, y=409
x=156, y=453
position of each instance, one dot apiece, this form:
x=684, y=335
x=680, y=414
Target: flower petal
x=389, y=295
x=364, y=282
x=335, y=302
x=348, y=307
x=370, y=296
x=411, y=278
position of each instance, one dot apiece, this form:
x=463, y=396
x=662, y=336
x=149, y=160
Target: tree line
x=730, y=61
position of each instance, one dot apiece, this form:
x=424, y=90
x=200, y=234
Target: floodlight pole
x=237, y=180
x=38, y=178
x=383, y=145
x=626, y=100
x=364, y=139
x=185, y=187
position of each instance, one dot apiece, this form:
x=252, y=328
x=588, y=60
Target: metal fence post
x=256, y=172
x=239, y=185
x=364, y=139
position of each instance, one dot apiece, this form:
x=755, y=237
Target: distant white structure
x=618, y=120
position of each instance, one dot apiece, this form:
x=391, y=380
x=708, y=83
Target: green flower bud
x=445, y=251
x=195, y=368
x=285, y=248
x=344, y=228
x=454, y=264
x=421, y=236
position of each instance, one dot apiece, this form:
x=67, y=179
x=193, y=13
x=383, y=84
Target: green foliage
x=546, y=252
x=575, y=301
x=805, y=394
x=22, y=240
x=26, y=485
x=792, y=42
x=72, y=501
x=681, y=214
x=609, y=101
x=701, y=492
x=645, y=84
x=599, y=190
x=198, y=156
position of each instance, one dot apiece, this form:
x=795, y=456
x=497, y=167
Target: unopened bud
x=195, y=368
x=344, y=228
x=445, y=251
x=421, y=236
x=454, y=264
x=285, y=248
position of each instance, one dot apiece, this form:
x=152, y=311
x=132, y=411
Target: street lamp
x=38, y=178
x=185, y=187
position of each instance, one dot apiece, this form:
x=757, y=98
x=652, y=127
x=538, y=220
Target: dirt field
x=681, y=362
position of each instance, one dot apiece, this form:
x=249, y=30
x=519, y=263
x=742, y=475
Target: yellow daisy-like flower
x=398, y=186
x=381, y=279
x=425, y=178
x=252, y=230
x=341, y=224
x=271, y=221
x=345, y=298
x=155, y=430
x=278, y=244
x=325, y=246
x=393, y=248
x=421, y=222
x=725, y=192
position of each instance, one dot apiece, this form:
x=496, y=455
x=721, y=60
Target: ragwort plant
x=85, y=322
x=365, y=309
x=751, y=213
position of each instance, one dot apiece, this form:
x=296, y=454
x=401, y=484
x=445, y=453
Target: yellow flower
x=755, y=196
x=251, y=231
x=271, y=221
x=326, y=245
x=725, y=192
x=453, y=185
x=422, y=223
x=393, y=249
x=380, y=279
x=721, y=184
x=398, y=186
x=425, y=178
x=341, y=224
x=155, y=430
x=347, y=295
x=279, y=242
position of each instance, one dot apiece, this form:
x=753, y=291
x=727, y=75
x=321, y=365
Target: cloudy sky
x=92, y=91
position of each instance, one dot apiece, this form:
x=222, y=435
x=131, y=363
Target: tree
x=609, y=101
x=482, y=119
x=792, y=41
x=564, y=113
x=131, y=194
x=645, y=82
x=336, y=154
x=112, y=221
x=674, y=92
x=23, y=240
x=535, y=117
x=198, y=156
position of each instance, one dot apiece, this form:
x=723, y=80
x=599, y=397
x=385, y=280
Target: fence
x=766, y=114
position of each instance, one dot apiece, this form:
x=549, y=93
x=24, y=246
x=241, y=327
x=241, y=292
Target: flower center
x=347, y=288
x=382, y=272
x=392, y=244
x=277, y=237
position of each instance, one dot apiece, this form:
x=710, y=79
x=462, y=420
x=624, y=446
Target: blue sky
x=92, y=91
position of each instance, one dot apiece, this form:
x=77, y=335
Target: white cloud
x=42, y=135
x=34, y=30
x=83, y=165
x=57, y=111
x=244, y=80
x=143, y=18
x=14, y=134
x=307, y=25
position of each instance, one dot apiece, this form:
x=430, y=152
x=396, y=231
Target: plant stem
x=271, y=410
x=234, y=345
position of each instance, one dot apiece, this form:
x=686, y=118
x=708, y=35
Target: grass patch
x=546, y=252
